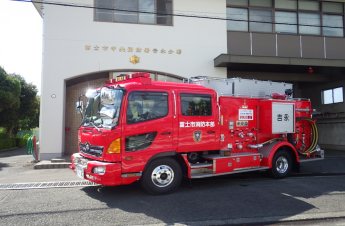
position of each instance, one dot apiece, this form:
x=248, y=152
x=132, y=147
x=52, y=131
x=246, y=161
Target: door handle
x=211, y=132
x=166, y=133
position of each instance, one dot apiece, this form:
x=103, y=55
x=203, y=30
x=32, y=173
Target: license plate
x=80, y=171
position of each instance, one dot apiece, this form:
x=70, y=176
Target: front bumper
x=84, y=168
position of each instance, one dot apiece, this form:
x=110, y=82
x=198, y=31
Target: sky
x=21, y=40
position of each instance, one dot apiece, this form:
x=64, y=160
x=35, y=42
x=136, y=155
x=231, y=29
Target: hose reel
x=306, y=137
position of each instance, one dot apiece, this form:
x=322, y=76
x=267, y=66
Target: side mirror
x=79, y=106
x=91, y=93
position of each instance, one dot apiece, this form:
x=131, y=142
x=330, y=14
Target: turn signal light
x=115, y=147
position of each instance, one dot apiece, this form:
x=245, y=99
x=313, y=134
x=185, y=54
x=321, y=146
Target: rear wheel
x=162, y=176
x=281, y=164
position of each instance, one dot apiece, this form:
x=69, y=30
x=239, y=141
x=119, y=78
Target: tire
x=281, y=164
x=162, y=176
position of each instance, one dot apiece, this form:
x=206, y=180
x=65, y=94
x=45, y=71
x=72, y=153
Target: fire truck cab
x=134, y=129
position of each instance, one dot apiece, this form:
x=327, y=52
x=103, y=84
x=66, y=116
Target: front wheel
x=281, y=164
x=162, y=176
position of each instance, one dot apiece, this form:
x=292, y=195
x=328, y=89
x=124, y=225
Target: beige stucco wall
x=75, y=45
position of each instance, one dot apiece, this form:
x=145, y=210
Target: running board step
x=206, y=174
x=235, y=155
x=200, y=165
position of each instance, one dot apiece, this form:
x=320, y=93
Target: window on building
x=145, y=106
x=238, y=19
x=308, y=5
x=331, y=96
x=147, y=6
x=196, y=105
x=286, y=22
x=286, y=4
x=260, y=3
x=127, y=15
x=332, y=19
x=306, y=17
x=260, y=20
x=237, y=2
x=134, y=11
x=103, y=11
x=332, y=7
x=332, y=25
x=309, y=23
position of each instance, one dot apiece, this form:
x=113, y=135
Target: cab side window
x=145, y=106
x=196, y=104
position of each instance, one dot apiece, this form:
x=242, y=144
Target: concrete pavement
x=238, y=199
x=18, y=167
x=257, y=200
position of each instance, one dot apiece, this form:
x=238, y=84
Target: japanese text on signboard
x=245, y=114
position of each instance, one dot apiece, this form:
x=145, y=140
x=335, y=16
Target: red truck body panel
x=232, y=133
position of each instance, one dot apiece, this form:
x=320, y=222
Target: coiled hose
x=314, y=138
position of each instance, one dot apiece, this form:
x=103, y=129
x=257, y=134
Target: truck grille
x=91, y=150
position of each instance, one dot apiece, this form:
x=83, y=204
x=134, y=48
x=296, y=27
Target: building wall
x=312, y=62
x=330, y=117
x=313, y=91
x=282, y=45
x=75, y=45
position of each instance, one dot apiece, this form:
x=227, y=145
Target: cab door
x=147, y=128
x=197, y=122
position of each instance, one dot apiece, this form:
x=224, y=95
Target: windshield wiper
x=94, y=125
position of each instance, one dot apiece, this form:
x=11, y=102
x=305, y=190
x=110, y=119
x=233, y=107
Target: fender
x=160, y=155
x=130, y=177
x=269, y=151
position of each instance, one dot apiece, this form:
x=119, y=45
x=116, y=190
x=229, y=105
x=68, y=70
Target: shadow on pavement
x=220, y=198
x=242, y=196
x=13, y=159
x=13, y=153
x=3, y=165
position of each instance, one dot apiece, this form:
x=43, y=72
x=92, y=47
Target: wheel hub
x=282, y=165
x=162, y=176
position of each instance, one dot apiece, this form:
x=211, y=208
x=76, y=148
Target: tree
x=29, y=105
x=9, y=91
x=9, y=100
x=19, y=104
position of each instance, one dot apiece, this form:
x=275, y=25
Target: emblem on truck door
x=197, y=136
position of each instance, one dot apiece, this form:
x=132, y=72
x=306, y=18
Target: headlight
x=99, y=170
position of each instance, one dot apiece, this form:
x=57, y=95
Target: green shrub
x=19, y=141
x=6, y=143
x=2, y=133
x=23, y=140
x=23, y=133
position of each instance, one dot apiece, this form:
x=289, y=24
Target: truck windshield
x=103, y=108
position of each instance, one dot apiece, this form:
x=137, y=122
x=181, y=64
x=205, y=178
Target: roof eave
x=38, y=6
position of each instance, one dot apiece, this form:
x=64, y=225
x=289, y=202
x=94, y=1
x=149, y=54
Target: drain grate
x=44, y=185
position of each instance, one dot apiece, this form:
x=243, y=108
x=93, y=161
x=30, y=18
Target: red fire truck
x=137, y=129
